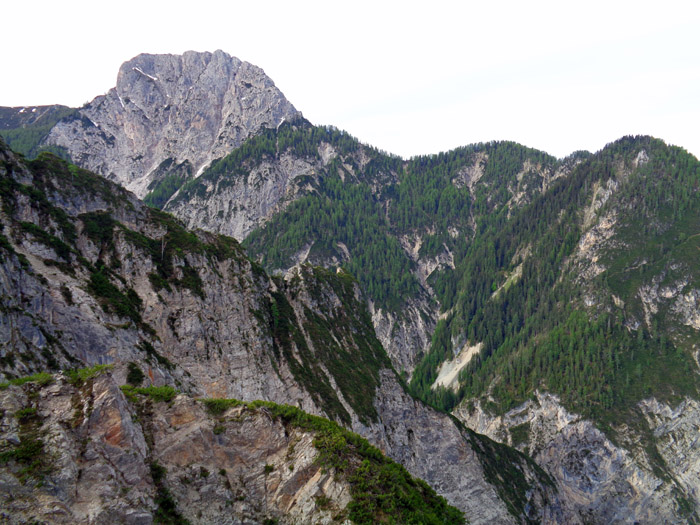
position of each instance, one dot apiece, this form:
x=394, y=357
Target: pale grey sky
x=407, y=77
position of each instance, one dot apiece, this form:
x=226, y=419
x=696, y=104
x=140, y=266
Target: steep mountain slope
x=590, y=294
x=577, y=270
x=550, y=280
x=91, y=276
x=551, y=304
x=169, y=116
x=301, y=171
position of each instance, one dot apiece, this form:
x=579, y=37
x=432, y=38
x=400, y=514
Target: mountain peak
x=171, y=111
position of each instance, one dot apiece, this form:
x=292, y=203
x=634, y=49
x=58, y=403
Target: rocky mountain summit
x=171, y=110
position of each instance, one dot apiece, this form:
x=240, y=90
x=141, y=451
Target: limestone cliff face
x=103, y=459
x=431, y=446
x=235, y=206
x=189, y=108
x=89, y=275
x=606, y=482
x=406, y=336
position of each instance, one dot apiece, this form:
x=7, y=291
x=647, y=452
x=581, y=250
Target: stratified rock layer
x=107, y=460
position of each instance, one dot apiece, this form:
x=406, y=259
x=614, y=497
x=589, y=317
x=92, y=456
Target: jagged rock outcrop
x=165, y=110
x=405, y=335
x=447, y=456
x=102, y=458
x=606, y=481
x=675, y=432
x=85, y=448
x=235, y=206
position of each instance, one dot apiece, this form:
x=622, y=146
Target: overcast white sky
x=407, y=77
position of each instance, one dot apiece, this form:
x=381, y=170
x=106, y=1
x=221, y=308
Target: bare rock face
x=606, y=482
x=189, y=108
x=675, y=431
x=456, y=461
x=238, y=205
x=103, y=459
x=88, y=452
x=405, y=337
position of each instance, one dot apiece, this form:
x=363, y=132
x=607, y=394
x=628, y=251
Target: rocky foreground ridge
x=91, y=276
x=78, y=449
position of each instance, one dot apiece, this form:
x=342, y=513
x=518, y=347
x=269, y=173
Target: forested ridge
x=511, y=219
x=370, y=202
x=538, y=331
